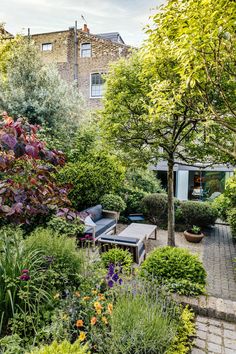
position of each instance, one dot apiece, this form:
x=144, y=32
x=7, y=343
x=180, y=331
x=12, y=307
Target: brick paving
x=218, y=254
x=214, y=336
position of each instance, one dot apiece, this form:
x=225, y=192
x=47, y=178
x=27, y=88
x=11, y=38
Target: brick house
x=82, y=57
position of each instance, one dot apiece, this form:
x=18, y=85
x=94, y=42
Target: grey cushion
x=95, y=212
x=120, y=239
x=102, y=225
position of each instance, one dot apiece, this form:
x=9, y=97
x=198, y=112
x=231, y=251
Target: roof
x=4, y=33
x=112, y=36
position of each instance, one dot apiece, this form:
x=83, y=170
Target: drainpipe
x=76, y=54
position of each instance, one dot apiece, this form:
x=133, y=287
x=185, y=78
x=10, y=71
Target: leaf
x=9, y=140
x=5, y=208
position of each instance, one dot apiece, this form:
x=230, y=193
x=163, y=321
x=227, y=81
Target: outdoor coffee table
x=141, y=231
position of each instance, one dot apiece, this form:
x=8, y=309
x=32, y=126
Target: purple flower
x=25, y=277
x=115, y=277
x=120, y=281
x=110, y=284
x=24, y=271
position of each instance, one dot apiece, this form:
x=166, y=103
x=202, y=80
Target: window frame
x=96, y=73
x=85, y=50
x=47, y=44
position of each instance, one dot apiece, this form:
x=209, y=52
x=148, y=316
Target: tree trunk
x=171, y=213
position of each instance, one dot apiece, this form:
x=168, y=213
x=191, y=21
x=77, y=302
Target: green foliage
x=155, y=206
x=113, y=202
x=230, y=191
x=232, y=221
x=143, y=180
x=117, y=256
x=36, y=91
x=198, y=213
x=66, y=227
x=133, y=198
x=195, y=229
x=92, y=177
x=183, y=287
x=222, y=204
x=11, y=345
x=61, y=258
x=141, y=323
x=182, y=342
x=23, y=282
x=62, y=348
x=174, y=266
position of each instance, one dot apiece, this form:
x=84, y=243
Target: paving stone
x=230, y=343
x=229, y=351
x=214, y=338
x=215, y=330
x=229, y=334
x=198, y=351
x=201, y=334
x=215, y=348
x=200, y=343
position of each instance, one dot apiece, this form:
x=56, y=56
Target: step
x=210, y=306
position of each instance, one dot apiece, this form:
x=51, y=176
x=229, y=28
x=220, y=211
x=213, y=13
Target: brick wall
x=62, y=54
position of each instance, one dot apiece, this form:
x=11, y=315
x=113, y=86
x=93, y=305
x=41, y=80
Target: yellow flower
x=77, y=293
x=97, y=305
x=85, y=298
x=56, y=296
x=110, y=308
x=79, y=323
x=99, y=311
x=93, y=321
x=82, y=336
x=104, y=320
x=94, y=292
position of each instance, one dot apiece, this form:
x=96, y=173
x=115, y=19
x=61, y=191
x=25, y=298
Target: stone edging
x=210, y=306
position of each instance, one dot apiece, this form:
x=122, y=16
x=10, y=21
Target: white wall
x=182, y=185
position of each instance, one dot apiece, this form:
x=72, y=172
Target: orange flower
x=82, y=336
x=85, y=298
x=104, y=320
x=101, y=297
x=77, y=293
x=97, y=305
x=79, y=323
x=110, y=308
x=93, y=321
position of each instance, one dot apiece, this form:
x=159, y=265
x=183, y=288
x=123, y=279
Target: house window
x=85, y=50
x=46, y=47
x=97, y=85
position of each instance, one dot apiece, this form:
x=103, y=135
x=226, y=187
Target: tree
x=150, y=114
x=31, y=89
x=203, y=34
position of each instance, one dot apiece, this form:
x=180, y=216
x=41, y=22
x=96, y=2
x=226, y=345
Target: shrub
x=117, y=256
x=28, y=188
x=155, y=206
x=172, y=265
x=133, y=199
x=90, y=178
x=198, y=213
x=222, y=204
x=232, y=221
x=182, y=342
x=61, y=258
x=140, y=323
x=143, y=180
x=66, y=222
x=62, y=348
x=113, y=202
x=230, y=190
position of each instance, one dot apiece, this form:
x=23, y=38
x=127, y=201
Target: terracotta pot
x=193, y=237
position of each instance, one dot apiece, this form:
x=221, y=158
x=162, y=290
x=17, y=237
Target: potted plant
x=113, y=202
x=194, y=234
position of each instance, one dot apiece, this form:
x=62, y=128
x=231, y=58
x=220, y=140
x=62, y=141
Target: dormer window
x=47, y=47
x=85, y=51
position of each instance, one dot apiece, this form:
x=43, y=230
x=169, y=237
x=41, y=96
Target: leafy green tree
x=31, y=89
x=149, y=114
x=203, y=35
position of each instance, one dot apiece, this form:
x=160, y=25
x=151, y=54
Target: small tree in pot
x=194, y=234
x=113, y=202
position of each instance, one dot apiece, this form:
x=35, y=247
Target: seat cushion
x=95, y=212
x=119, y=239
x=101, y=226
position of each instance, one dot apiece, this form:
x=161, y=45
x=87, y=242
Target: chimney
x=85, y=29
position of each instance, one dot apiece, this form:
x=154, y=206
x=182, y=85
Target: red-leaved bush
x=28, y=188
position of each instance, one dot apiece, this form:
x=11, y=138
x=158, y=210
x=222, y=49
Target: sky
x=128, y=17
